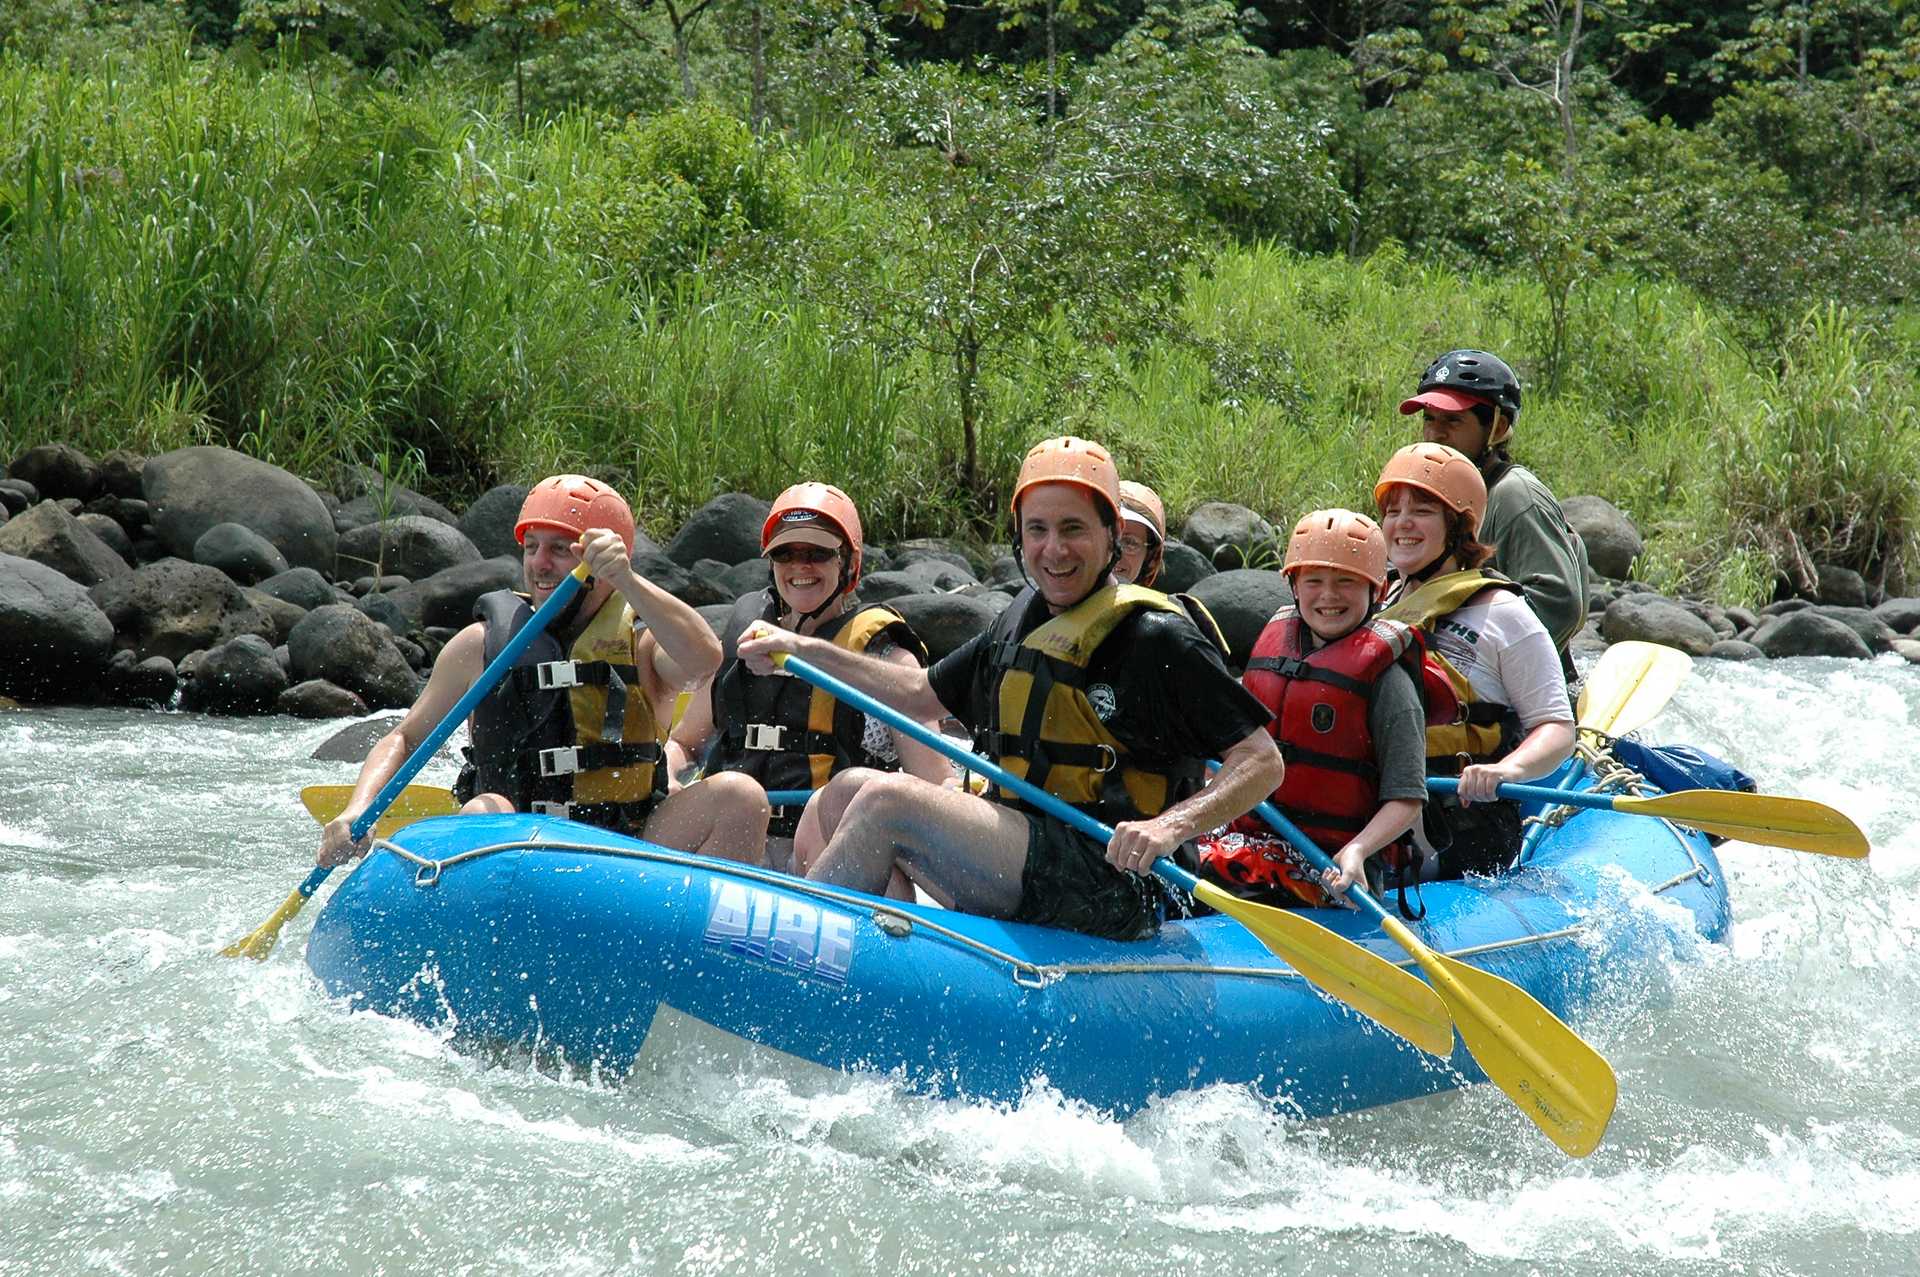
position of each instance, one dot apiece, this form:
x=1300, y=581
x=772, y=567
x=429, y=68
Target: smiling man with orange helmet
x=1105, y=695
x=576, y=728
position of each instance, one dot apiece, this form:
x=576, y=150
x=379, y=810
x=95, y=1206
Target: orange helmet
x=819, y=514
x=573, y=503
x=1138, y=499
x=1447, y=473
x=1070, y=460
x=1338, y=539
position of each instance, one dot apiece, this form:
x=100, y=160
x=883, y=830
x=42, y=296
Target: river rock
x=121, y=471
x=726, y=528
x=1242, y=601
x=239, y=676
x=1901, y=615
x=1809, y=633
x=488, y=522
x=967, y=558
x=351, y=744
x=17, y=494
x=56, y=639
x=887, y=587
x=1181, y=568
x=1613, y=543
x=1735, y=650
x=240, y=552
x=1230, y=536
x=317, y=698
x=447, y=597
x=191, y=489
x=1907, y=648
x=111, y=534
x=58, y=470
x=1780, y=607
x=1873, y=631
x=1650, y=618
x=151, y=682
x=173, y=607
x=716, y=616
x=945, y=621
x=380, y=606
x=746, y=578
x=396, y=502
x=282, y=615
x=940, y=573
x=302, y=587
x=48, y=535
x=413, y=546
x=1841, y=587
x=350, y=650
x=664, y=572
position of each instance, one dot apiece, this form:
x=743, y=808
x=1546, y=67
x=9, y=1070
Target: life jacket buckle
x=545, y=807
x=765, y=736
x=556, y=676
x=564, y=760
x=1109, y=759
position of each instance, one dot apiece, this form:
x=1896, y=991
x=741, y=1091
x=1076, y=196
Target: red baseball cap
x=1444, y=401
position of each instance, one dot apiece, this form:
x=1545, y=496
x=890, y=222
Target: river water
x=165, y=1110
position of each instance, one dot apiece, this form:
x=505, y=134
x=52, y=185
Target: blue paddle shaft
x=1298, y=840
x=1053, y=806
x=1540, y=793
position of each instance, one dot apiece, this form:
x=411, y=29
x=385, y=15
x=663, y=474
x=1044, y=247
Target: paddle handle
x=1538, y=793
x=953, y=751
x=481, y=689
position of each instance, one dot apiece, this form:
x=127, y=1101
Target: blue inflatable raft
x=538, y=931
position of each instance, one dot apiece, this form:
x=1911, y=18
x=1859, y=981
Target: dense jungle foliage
x=700, y=245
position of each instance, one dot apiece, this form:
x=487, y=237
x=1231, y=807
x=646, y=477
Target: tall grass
x=200, y=253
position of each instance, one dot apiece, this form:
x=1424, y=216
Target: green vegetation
x=701, y=247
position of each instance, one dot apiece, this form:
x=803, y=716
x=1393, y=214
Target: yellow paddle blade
x=1560, y=1082
x=416, y=802
x=1630, y=685
x=1797, y=823
x=259, y=943
x=1358, y=977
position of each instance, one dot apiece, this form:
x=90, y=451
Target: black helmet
x=1471, y=372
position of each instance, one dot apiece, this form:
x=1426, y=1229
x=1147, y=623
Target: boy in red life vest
x=1344, y=692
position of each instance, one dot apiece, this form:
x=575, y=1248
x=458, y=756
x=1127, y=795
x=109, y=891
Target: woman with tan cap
x=1143, y=535
x=774, y=728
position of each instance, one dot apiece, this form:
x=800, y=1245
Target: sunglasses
x=813, y=555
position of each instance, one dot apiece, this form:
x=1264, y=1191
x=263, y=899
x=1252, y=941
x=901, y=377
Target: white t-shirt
x=1501, y=648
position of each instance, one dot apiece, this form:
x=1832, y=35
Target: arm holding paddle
x=904, y=687
x=1541, y=751
x=677, y=648
x=1250, y=770
x=454, y=671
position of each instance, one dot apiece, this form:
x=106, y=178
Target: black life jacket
x=571, y=733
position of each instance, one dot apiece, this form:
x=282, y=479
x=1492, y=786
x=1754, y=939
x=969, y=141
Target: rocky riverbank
x=211, y=581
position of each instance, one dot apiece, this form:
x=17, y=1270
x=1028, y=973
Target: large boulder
x=173, y=607
x=1651, y=618
x=280, y=614
x=750, y=577
x=413, y=546
x=390, y=503
x=317, y=698
x=111, y=534
x=303, y=587
x=1841, y=587
x=1182, y=567
x=1613, y=543
x=191, y=489
x=1901, y=615
x=940, y=573
x=240, y=552
x=945, y=621
x=966, y=557
x=57, y=640
x=1873, y=631
x=58, y=470
x=1230, y=536
x=890, y=587
x=1242, y=601
x=352, y=743
x=239, y=676
x=17, y=494
x=121, y=472
x=50, y=536
x=447, y=597
x=488, y=522
x=339, y=644
x=726, y=528
x=694, y=591
x=1809, y=633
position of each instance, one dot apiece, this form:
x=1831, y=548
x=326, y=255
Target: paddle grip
x=1537, y=793
x=482, y=687
x=951, y=750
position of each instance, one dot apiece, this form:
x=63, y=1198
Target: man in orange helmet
x=1105, y=695
x=576, y=727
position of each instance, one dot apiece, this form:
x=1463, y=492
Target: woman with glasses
x=777, y=729
x=1143, y=534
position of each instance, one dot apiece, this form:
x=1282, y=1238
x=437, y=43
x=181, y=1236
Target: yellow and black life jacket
x=782, y=731
x=1046, y=730
x=571, y=733
x=1476, y=731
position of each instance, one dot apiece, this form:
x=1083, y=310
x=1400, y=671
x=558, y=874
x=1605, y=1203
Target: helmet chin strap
x=843, y=596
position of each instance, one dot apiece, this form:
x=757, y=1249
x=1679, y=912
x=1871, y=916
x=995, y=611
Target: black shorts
x=1067, y=882
x=1484, y=838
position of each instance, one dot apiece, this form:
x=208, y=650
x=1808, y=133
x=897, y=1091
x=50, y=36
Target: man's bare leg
x=822, y=817
x=968, y=853
x=723, y=815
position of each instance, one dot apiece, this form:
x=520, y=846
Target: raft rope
x=1595, y=749
x=1031, y=975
